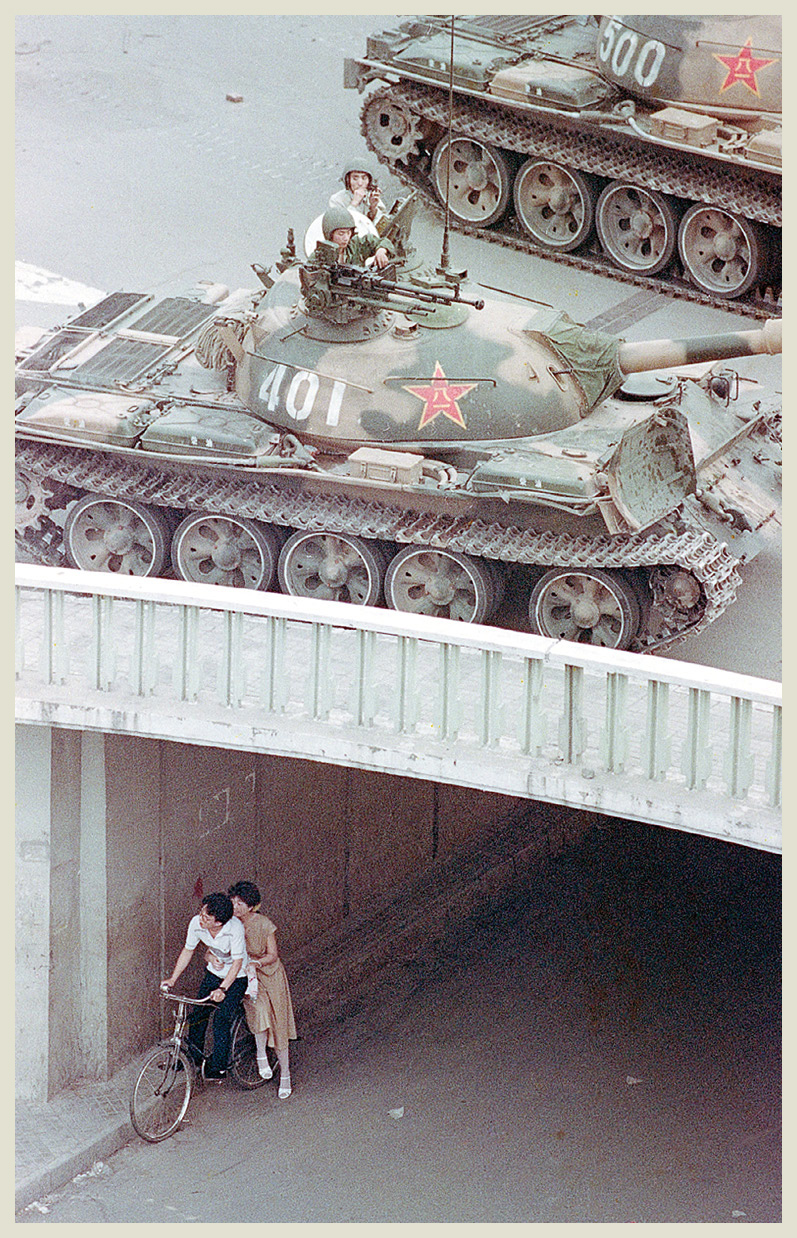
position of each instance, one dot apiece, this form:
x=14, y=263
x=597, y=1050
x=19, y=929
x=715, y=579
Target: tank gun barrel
x=659, y=354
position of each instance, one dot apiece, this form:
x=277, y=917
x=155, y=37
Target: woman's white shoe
x=284, y=1089
x=263, y=1068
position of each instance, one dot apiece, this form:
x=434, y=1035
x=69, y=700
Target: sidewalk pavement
x=67, y=1135
x=88, y=1122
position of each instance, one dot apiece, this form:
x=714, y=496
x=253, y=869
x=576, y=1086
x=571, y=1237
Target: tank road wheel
x=391, y=129
x=441, y=583
x=30, y=499
x=333, y=566
x=638, y=228
x=225, y=550
x=555, y=205
x=116, y=535
x=723, y=253
x=480, y=180
x=586, y=605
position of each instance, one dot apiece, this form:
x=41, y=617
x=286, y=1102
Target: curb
x=58, y=1174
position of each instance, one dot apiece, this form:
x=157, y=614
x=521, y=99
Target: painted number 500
x=620, y=49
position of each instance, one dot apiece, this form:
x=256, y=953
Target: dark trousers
x=223, y=1016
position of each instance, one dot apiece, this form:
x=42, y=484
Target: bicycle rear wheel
x=243, y=1055
x=161, y=1094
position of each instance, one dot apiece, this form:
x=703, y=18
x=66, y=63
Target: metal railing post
x=364, y=693
x=273, y=690
x=19, y=644
x=406, y=699
x=738, y=758
x=144, y=672
x=449, y=710
x=531, y=723
x=655, y=754
x=696, y=760
x=103, y=662
x=489, y=712
x=572, y=727
x=320, y=682
x=231, y=684
x=53, y=656
x=775, y=762
x=614, y=741
x=186, y=664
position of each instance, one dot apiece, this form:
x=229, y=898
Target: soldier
x=361, y=193
x=337, y=226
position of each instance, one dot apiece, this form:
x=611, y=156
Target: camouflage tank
x=365, y=436
x=646, y=146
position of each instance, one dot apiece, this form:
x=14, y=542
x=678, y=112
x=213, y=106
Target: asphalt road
x=134, y=171
x=603, y=1050
x=606, y=1050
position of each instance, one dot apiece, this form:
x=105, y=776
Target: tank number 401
x=301, y=393
x=622, y=50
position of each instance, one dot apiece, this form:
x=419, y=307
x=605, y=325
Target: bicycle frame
x=182, y=1016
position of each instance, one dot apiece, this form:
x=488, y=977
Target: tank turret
x=386, y=436
x=649, y=146
x=729, y=66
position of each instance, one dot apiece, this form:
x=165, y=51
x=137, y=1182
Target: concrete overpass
x=171, y=736
x=639, y=737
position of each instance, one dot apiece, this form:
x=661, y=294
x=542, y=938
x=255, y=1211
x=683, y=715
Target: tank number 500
x=620, y=49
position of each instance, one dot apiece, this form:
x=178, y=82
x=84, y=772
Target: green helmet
x=357, y=166
x=336, y=217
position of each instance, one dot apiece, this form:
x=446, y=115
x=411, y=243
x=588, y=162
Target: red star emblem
x=742, y=68
x=441, y=397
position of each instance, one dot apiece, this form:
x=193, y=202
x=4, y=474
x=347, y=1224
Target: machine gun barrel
x=355, y=281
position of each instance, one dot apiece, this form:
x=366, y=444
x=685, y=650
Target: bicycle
x=163, y=1087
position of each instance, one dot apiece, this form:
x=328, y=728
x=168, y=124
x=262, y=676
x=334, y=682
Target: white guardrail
x=637, y=736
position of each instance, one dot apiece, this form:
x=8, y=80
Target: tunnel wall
x=132, y=844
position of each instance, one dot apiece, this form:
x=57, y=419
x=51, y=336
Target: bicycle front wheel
x=243, y=1056
x=161, y=1094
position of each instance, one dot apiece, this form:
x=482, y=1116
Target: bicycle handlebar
x=189, y=1001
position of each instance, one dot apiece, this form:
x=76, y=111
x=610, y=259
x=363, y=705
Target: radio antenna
x=444, y=253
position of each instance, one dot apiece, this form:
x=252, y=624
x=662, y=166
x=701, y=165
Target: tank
x=647, y=146
x=389, y=437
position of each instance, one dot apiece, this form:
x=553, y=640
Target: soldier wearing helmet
x=361, y=192
x=337, y=225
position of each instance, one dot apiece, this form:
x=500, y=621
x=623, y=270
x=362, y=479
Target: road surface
x=603, y=1050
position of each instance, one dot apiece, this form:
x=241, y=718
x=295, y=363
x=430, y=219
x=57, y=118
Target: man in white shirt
x=224, y=980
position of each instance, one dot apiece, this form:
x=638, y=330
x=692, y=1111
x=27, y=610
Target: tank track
x=596, y=154
x=708, y=560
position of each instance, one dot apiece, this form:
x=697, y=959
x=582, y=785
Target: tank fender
x=92, y=416
x=651, y=471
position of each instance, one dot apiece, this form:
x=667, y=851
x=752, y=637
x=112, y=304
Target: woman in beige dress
x=270, y=1013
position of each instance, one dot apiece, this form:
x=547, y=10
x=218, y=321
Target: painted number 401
x=302, y=394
